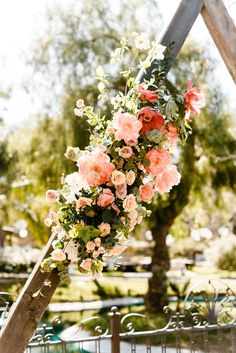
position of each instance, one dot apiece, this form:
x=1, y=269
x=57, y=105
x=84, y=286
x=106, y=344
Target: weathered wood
x=177, y=31
x=27, y=311
x=222, y=30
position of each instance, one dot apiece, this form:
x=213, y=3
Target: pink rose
x=105, y=229
x=101, y=250
x=125, y=152
x=130, y=177
x=58, y=255
x=165, y=181
x=129, y=203
x=47, y=222
x=106, y=198
x=159, y=161
x=133, y=215
x=95, y=167
x=83, y=202
x=145, y=94
x=95, y=254
x=90, y=246
x=170, y=132
x=194, y=99
x=86, y=264
x=53, y=216
x=146, y=192
x=116, y=209
x=117, y=250
x=52, y=195
x=150, y=119
x=127, y=127
x=118, y=178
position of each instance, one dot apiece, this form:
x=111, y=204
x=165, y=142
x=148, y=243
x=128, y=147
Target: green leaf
x=171, y=108
x=154, y=136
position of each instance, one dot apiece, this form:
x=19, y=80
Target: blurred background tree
x=63, y=62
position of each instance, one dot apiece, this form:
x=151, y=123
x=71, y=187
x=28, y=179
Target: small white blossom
x=142, y=42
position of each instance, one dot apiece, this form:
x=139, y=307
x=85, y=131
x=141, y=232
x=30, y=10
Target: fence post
x=115, y=329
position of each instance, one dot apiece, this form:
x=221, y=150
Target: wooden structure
x=28, y=309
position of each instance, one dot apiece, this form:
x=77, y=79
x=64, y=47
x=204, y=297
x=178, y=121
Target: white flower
x=75, y=182
x=58, y=255
x=79, y=112
x=158, y=53
x=80, y=103
x=142, y=42
x=72, y=251
x=100, y=71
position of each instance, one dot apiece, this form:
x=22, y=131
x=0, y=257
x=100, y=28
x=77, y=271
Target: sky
x=22, y=21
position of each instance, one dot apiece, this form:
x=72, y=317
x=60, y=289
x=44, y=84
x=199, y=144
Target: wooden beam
x=222, y=30
x=177, y=31
x=27, y=311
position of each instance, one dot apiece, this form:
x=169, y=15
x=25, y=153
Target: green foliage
x=227, y=260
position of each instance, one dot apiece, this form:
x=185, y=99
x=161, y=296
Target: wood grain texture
x=27, y=311
x=177, y=31
x=223, y=31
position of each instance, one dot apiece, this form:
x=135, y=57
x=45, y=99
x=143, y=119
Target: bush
x=222, y=253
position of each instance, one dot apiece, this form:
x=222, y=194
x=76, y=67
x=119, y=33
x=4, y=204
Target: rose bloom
x=129, y=203
x=146, y=192
x=101, y=250
x=194, y=99
x=125, y=152
x=150, y=119
x=95, y=167
x=146, y=95
x=118, y=178
x=127, y=127
x=121, y=191
x=72, y=153
x=52, y=195
x=90, y=245
x=95, y=254
x=117, y=250
x=58, y=255
x=53, y=216
x=133, y=215
x=86, y=264
x=105, y=229
x=130, y=177
x=97, y=242
x=83, y=202
x=115, y=208
x=106, y=198
x=47, y=222
x=159, y=160
x=170, y=132
x=165, y=181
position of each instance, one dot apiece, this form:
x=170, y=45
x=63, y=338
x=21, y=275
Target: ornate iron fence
x=207, y=323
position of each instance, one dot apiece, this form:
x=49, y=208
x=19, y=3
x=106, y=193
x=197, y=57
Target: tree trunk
x=156, y=297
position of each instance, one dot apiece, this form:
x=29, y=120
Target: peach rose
x=121, y=192
x=90, y=246
x=97, y=242
x=130, y=177
x=95, y=254
x=53, y=216
x=106, y=198
x=145, y=94
x=83, y=202
x=194, y=99
x=118, y=178
x=58, y=255
x=146, y=192
x=95, y=167
x=52, y=195
x=129, y=203
x=159, y=161
x=165, y=181
x=105, y=229
x=127, y=127
x=150, y=119
x=101, y=250
x=133, y=215
x=125, y=152
x=116, y=209
x=86, y=264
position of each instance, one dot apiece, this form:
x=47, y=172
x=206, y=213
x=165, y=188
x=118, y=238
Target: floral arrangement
x=127, y=163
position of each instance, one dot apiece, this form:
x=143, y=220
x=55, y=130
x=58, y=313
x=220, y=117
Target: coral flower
x=165, y=181
x=194, y=99
x=171, y=133
x=146, y=192
x=150, y=119
x=106, y=198
x=127, y=127
x=159, y=161
x=95, y=167
x=147, y=95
